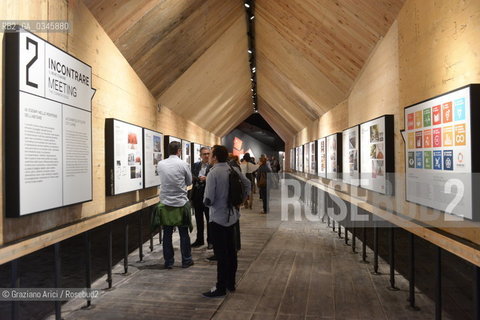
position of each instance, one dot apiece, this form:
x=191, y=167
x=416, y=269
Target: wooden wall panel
x=120, y=94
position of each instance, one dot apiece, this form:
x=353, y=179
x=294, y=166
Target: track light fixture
x=250, y=8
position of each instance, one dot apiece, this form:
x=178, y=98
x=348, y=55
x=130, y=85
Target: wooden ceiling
x=192, y=54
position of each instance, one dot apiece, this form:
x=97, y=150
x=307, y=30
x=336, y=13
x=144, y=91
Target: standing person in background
x=174, y=208
x=223, y=217
x=200, y=171
x=275, y=165
x=263, y=175
x=248, y=168
x=233, y=161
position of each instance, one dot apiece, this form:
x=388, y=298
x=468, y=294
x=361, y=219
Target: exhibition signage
x=313, y=158
x=169, y=139
x=439, y=160
x=153, y=153
x=123, y=157
x=187, y=152
x=322, y=157
x=351, y=156
x=300, y=159
x=196, y=152
x=334, y=155
x=306, y=157
x=292, y=159
x=48, y=126
x=377, y=161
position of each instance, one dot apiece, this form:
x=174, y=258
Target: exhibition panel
x=153, y=153
x=351, y=156
x=377, y=162
x=167, y=141
x=196, y=152
x=187, y=152
x=48, y=126
x=312, y=146
x=123, y=157
x=322, y=157
x=334, y=156
x=440, y=153
x=306, y=158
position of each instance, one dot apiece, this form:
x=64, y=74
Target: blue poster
x=437, y=160
x=448, y=159
x=460, y=109
x=419, y=159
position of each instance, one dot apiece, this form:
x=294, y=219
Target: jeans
x=265, y=195
x=168, y=254
x=201, y=210
x=224, y=248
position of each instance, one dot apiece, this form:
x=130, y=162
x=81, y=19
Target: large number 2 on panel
x=458, y=196
x=35, y=43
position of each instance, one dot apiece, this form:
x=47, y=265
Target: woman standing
x=262, y=183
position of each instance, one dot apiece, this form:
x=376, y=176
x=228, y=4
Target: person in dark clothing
x=200, y=171
x=263, y=183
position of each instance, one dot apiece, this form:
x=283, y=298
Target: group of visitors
x=218, y=189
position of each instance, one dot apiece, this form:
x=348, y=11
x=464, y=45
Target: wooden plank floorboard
x=287, y=270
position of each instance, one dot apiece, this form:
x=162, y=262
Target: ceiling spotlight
x=251, y=79
x=249, y=51
x=247, y=5
x=252, y=17
x=251, y=89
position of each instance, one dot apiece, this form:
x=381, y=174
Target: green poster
x=427, y=117
x=427, y=160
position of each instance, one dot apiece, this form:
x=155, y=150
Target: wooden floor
x=287, y=270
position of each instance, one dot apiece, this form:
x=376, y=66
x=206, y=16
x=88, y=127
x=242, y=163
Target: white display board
x=297, y=159
x=376, y=160
x=322, y=157
x=292, y=159
x=196, y=152
x=334, y=156
x=187, y=152
x=351, y=156
x=48, y=126
x=124, y=157
x=306, y=158
x=300, y=159
x=313, y=158
x=169, y=139
x=439, y=151
x=153, y=153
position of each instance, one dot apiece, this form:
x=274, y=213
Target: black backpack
x=235, y=188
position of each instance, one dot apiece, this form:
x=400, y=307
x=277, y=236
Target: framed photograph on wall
x=351, y=156
x=153, y=153
x=441, y=151
x=187, y=152
x=196, y=152
x=312, y=146
x=322, y=157
x=377, y=163
x=123, y=157
x=306, y=158
x=334, y=156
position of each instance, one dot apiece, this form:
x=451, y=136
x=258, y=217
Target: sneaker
x=214, y=293
x=197, y=244
x=188, y=264
x=210, y=246
x=212, y=258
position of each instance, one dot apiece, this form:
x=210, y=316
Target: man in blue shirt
x=222, y=220
x=175, y=176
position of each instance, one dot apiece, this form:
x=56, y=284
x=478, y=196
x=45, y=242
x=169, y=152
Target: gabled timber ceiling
x=192, y=54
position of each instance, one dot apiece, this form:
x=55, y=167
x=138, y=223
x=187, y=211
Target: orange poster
x=427, y=138
x=411, y=121
x=418, y=119
x=448, y=136
x=411, y=140
x=460, y=135
x=437, y=115
x=447, y=112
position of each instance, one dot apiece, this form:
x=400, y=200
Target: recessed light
x=247, y=5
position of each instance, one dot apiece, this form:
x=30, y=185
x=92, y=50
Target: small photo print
x=157, y=157
x=378, y=168
x=375, y=134
x=119, y=163
x=133, y=172
x=157, y=144
x=131, y=159
x=132, y=140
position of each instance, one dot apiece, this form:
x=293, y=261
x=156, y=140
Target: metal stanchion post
x=58, y=279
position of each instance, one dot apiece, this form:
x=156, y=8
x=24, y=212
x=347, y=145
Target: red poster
x=437, y=137
x=447, y=112
x=437, y=115
x=418, y=139
x=411, y=121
